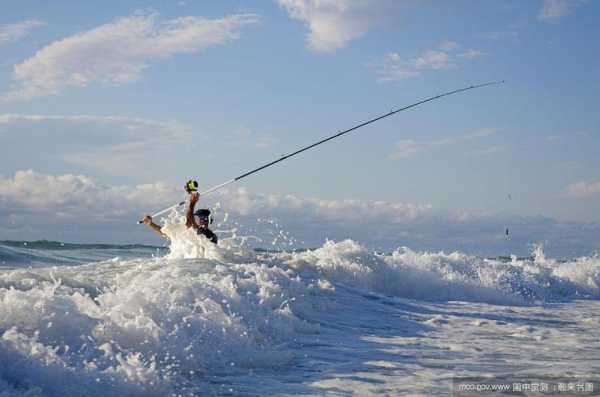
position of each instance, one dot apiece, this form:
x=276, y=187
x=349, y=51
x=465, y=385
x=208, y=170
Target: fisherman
x=199, y=220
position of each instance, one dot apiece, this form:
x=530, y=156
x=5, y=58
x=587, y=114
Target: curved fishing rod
x=392, y=112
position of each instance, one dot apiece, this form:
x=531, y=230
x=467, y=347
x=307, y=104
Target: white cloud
x=129, y=123
x=395, y=67
x=69, y=195
x=407, y=148
x=490, y=150
x=448, y=45
x=553, y=10
x=74, y=194
x=510, y=33
x=433, y=60
x=471, y=54
x=16, y=31
x=111, y=144
x=245, y=137
x=78, y=208
x=119, y=146
x=82, y=201
x=584, y=189
x=334, y=23
x=244, y=202
x=118, y=52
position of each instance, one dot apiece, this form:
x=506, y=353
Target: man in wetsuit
x=199, y=220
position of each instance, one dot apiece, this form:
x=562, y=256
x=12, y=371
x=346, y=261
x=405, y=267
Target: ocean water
x=194, y=319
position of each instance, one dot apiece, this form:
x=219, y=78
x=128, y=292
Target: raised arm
x=157, y=228
x=189, y=215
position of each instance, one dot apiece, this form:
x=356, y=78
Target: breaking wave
x=166, y=323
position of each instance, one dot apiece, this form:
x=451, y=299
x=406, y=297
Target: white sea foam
x=168, y=324
x=454, y=276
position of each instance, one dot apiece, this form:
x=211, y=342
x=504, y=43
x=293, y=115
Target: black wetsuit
x=206, y=232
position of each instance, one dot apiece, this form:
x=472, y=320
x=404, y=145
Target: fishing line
x=285, y=157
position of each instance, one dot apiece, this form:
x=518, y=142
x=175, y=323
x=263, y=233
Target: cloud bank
x=70, y=196
x=78, y=208
x=118, y=52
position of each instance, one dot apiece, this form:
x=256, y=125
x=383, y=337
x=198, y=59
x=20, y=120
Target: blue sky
x=143, y=92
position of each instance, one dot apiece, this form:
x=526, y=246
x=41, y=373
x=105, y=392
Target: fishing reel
x=191, y=186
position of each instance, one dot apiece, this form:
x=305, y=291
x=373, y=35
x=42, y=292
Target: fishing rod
x=285, y=157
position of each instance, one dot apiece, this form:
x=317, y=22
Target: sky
x=105, y=113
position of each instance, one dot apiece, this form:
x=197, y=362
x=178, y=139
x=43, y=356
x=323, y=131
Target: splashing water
x=172, y=324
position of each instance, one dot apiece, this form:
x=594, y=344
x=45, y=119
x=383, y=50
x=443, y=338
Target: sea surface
x=194, y=319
